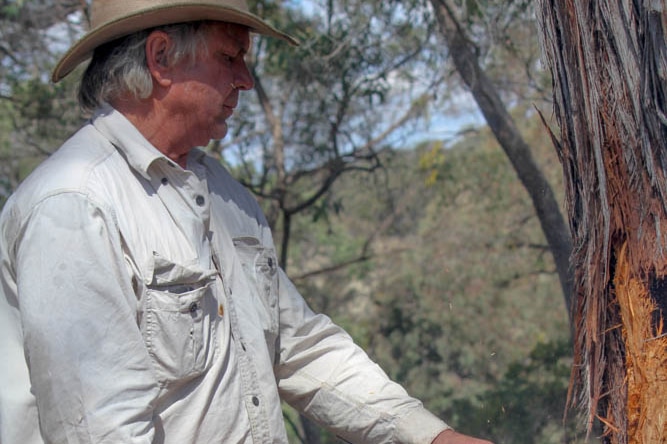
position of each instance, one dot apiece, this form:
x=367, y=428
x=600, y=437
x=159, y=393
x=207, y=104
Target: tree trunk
x=464, y=55
x=609, y=65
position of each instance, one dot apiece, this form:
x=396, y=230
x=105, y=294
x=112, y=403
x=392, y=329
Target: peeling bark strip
x=609, y=63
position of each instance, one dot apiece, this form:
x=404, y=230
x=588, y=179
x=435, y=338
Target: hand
x=449, y=436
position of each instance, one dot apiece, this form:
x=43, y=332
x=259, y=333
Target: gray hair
x=119, y=68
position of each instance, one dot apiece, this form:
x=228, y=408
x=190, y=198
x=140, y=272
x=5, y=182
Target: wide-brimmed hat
x=111, y=19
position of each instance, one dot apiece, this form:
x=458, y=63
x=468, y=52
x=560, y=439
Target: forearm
x=323, y=373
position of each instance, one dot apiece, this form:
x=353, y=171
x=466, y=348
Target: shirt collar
x=138, y=151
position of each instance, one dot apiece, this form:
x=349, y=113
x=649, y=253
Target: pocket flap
x=167, y=272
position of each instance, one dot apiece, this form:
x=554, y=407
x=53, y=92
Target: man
x=142, y=301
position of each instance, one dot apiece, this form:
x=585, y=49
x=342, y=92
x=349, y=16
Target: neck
x=153, y=123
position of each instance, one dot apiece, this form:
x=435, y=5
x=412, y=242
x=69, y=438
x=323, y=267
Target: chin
x=220, y=132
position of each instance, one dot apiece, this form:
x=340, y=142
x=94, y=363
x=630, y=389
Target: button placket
x=246, y=365
x=192, y=190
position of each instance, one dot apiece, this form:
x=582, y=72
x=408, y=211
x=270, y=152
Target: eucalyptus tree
x=609, y=63
x=483, y=37
x=327, y=107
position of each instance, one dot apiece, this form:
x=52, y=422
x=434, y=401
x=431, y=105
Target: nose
x=243, y=78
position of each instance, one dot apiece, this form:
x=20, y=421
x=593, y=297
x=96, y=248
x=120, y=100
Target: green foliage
x=42, y=110
x=459, y=300
x=34, y=121
x=521, y=407
x=35, y=116
x=10, y=9
x=328, y=107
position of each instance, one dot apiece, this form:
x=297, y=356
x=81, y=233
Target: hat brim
x=158, y=16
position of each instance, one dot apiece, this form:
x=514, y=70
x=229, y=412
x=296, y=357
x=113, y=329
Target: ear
x=157, y=46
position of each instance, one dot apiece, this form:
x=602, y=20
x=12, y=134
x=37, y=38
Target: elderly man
x=142, y=301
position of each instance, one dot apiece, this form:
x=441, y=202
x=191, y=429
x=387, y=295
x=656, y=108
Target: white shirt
x=143, y=303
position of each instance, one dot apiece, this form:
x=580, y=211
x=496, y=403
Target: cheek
x=214, y=96
x=221, y=81
x=198, y=90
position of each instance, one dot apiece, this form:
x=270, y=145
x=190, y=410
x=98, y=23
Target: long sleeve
x=89, y=369
x=325, y=375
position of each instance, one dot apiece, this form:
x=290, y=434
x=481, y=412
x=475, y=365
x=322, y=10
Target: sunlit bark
x=609, y=65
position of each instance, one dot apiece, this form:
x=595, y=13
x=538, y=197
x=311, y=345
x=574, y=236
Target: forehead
x=228, y=36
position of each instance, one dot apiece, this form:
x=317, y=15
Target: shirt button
x=193, y=308
x=221, y=310
x=255, y=401
x=200, y=200
x=164, y=181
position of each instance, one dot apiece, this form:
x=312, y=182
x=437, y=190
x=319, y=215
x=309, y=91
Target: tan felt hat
x=112, y=19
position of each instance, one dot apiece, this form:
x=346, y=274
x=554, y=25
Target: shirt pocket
x=180, y=321
x=260, y=267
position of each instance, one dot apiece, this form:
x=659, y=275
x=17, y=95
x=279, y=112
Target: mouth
x=227, y=111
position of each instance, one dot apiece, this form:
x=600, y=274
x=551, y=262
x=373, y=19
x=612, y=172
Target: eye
x=226, y=58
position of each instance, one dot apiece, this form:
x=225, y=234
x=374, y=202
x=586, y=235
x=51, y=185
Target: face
x=204, y=93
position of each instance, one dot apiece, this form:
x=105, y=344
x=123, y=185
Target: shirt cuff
x=419, y=427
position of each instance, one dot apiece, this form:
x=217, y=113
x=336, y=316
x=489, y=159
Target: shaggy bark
x=609, y=65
